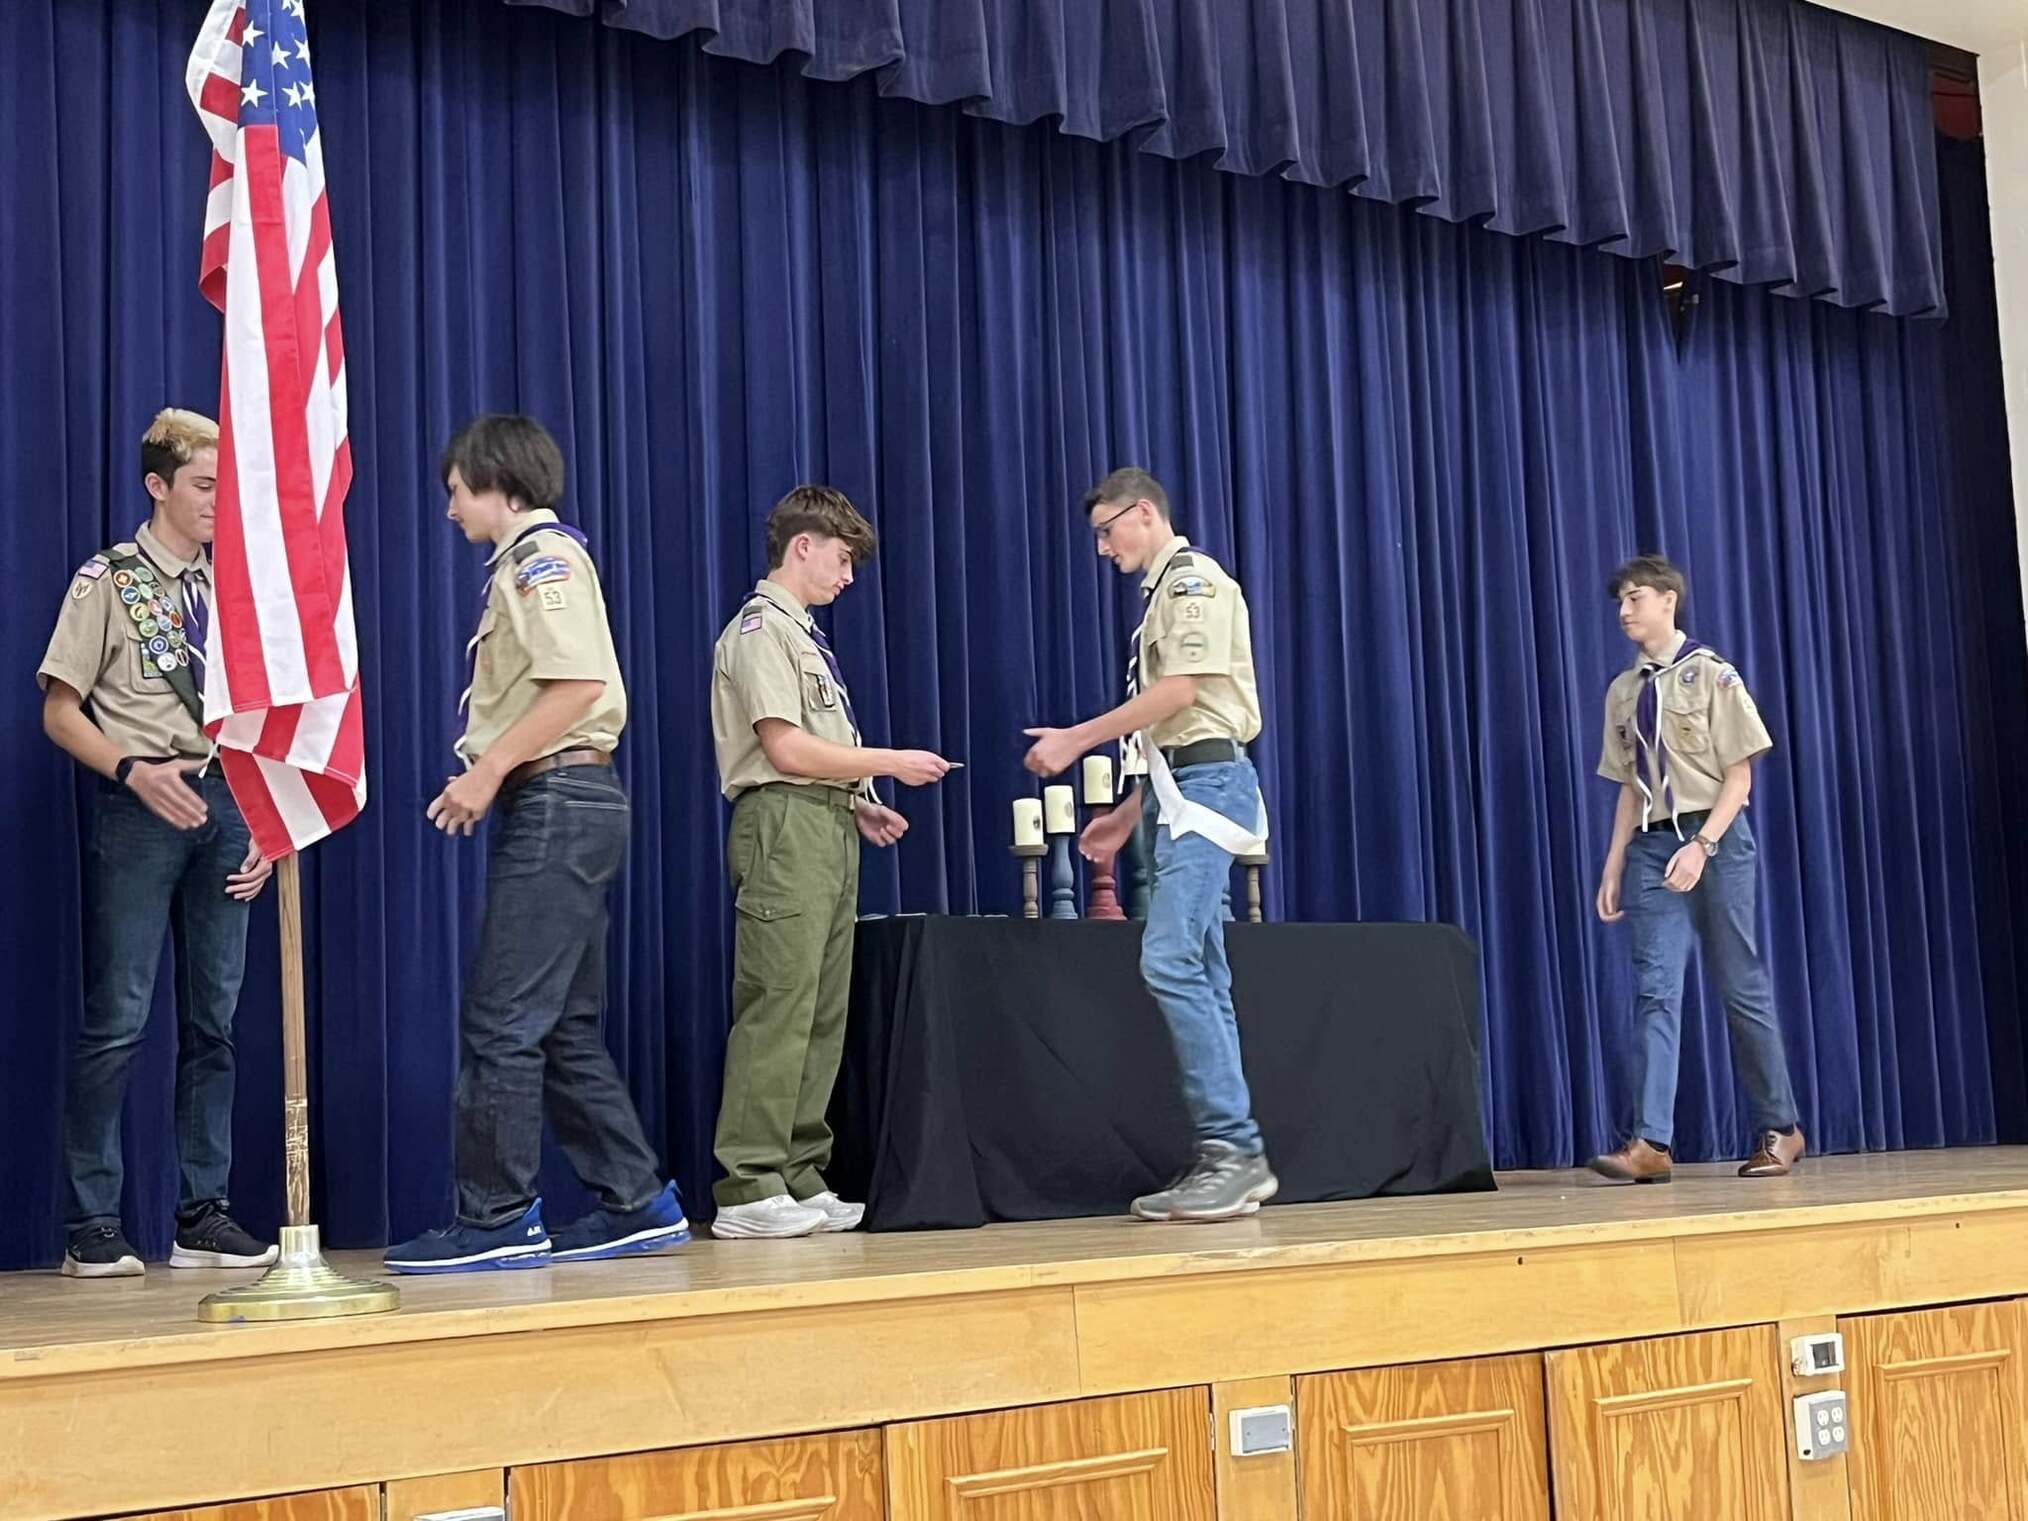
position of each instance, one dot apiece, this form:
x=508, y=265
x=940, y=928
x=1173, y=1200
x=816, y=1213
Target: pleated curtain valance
x=1765, y=141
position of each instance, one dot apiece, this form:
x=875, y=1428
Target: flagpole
x=301, y=1285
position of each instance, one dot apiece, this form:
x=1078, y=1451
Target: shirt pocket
x=1686, y=723
x=820, y=691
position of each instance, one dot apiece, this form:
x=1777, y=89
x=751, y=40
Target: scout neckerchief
x=1648, y=735
x=516, y=547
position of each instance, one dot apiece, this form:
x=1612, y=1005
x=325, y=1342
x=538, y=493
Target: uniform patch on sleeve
x=1193, y=647
x=751, y=623
x=540, y=571
x=1192, y=586
x=87, y=573
x=1727, y=676
x=552, y=598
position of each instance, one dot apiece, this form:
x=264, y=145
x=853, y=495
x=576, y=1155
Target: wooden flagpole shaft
x=295, y=1059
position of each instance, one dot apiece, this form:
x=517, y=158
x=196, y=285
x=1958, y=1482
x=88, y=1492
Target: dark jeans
x=530, y=1039
x=143, y=876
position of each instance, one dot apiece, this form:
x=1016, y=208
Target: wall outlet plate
x=1816, y=1356
x=1823, y=1427
x=1265, y=1428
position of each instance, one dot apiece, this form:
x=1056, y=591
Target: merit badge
x=136, y=611
x=121, y=578
x=129, y=596
x=168, y=660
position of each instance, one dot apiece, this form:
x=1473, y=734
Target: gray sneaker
x=1224, y=1184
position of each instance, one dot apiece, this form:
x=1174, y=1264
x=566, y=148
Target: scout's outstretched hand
x=1054, y=751
x=916, y=768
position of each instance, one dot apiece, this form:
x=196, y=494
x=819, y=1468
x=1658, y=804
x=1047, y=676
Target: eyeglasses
x=1104, y=526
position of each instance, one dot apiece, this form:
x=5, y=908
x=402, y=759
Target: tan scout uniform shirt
x=1708, y=722
x=767, y=665
x=1196, y=625
x=97, y=651
x=545, y=620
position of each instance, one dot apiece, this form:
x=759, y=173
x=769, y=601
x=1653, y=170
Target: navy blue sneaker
x=521, y=1243
x=657, y=1226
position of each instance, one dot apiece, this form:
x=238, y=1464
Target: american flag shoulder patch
x=751, y=623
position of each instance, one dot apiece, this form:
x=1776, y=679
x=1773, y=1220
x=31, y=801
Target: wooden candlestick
x=1253, y=864
x=1102, y=901
x=1030, y=857
x=1062, y=880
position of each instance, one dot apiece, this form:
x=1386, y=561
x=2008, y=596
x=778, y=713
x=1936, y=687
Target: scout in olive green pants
x=794, y=853
x=791, y=761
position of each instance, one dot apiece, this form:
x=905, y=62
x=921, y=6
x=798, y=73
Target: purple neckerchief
x=1648, y=729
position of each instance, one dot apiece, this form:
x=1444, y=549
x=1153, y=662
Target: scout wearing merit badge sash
x=1681, y=737
x=169, y=854
x=1192, y=705
x=790, y=758
x=543, y=714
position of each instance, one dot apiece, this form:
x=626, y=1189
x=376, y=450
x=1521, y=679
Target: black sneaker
x=215, y=1240
x=101, y=1252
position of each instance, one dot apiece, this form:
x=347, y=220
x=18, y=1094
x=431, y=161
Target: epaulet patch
x=523, y=550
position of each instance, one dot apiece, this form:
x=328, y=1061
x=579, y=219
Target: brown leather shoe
x=1635, y=1162
x=1775, y=1154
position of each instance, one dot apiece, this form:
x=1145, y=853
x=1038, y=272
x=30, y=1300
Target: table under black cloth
x=1010, y=1069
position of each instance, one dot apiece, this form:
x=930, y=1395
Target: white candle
x=1059, y=810
x=1098, y=780
x=1028, y=821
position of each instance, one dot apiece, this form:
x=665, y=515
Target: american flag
x=281, y=665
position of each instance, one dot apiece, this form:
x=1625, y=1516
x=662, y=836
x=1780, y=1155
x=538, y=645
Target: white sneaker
x=767, y=1219
x=838, y=1215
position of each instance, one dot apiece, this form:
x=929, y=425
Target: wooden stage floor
x=725, y=1341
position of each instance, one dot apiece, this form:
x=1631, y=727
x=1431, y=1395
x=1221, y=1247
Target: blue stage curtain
x=1769, y=141
x=1420, y=444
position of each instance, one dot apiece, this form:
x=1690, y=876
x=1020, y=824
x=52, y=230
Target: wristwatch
x=127, y=763
x=1710, y=845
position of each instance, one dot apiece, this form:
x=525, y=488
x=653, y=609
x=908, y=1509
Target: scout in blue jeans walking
x=543, y=715
x=1681, y=736
x=1192, y=706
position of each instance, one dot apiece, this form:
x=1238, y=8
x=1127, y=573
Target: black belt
x=1691, y=822
x=1204, y=752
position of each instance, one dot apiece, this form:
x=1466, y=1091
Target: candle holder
x=1030, y=857
x=1253, y=864
x=1141, y=860
x=1062, y=880
x=1102, y=901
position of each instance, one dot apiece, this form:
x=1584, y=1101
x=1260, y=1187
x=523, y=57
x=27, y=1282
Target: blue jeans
x=529, y=1034
x=144, y=877
x=1183, y=955
x=1718, y=915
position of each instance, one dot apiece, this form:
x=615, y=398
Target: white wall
x=1997, y=30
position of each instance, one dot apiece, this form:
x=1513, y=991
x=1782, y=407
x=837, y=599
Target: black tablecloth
x=1007, y=1069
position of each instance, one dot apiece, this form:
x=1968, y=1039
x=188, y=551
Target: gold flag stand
x=301, y=1285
